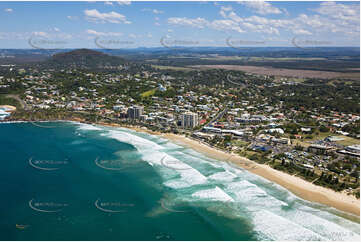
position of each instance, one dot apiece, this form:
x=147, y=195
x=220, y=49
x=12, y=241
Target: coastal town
x=267, y=119
x=180, y=120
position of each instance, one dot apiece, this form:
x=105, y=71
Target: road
x=218, y=116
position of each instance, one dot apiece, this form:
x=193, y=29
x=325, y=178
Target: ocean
x=72, y=181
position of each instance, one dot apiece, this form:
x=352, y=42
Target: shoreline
x=295, y=185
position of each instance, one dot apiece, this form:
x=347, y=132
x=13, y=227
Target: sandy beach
x=296, y=185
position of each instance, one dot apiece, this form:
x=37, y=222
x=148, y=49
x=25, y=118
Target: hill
x=86, y=58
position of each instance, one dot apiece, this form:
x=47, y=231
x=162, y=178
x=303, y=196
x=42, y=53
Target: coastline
x=296, y=185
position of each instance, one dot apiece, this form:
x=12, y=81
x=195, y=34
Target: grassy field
x=304, y=142
x=223, y=58
x=347, y=140
x=239, y=142
x=148, y=93
x=175, y=68
x=283, y=72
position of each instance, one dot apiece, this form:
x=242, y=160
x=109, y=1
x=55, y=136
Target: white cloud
x=108, y=3
x=262, y=7
x=340, y=11
x=155, y=11
x=40, y=33
x=123, y=2
x=223, y=24
x=9, y=10
x=197, y=22
x=226, y=24
x=94, y=32
x=94, y=15
x=35, y=34
x=228, y=8
x=72, y=17
x=302, y=32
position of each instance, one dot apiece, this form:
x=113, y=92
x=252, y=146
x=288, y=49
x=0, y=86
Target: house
x=333, y=138
x=306, y=130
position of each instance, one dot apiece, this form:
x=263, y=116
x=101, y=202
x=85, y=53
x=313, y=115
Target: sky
x=131, y=24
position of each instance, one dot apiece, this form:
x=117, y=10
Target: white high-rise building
x=189, y=120
x=135, y=112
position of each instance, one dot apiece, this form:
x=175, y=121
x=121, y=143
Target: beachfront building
x=135, y=112
x=189, y=120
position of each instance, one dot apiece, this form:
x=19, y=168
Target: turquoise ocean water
x=71, y=181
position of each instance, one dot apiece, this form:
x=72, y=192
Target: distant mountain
x=85, y=58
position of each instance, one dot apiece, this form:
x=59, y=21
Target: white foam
x=13, y=122
x=213, y=194
x=140, y=143
x=83, y=126
x=153, y=154
x=224, y=176
x=177, y=174
x=252, y=196
x=321, y=226
x=273, y=227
